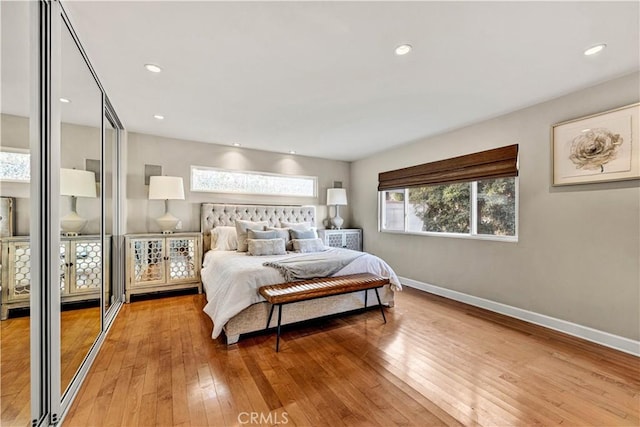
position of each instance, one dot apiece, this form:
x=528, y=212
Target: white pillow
x=241, y=229
x=308, y=245
x=261, y=247
x=224, y=239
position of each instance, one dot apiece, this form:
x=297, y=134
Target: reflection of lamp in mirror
x=166, y=188
x=75, y=183
x=337, y=197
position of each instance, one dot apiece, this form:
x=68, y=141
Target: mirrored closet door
x=91, y=278
x=82, y=255
x=61, y=283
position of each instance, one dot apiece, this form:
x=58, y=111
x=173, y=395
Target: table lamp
x=75, y=183
x=337, y=197
x=166, y=188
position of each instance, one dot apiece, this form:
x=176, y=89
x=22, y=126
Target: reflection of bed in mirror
x=80, y=271
x=231, y=279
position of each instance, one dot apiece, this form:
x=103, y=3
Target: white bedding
x=231, y=280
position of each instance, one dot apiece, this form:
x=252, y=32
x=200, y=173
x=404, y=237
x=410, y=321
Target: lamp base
x=72, y=223
x=167, y=223
x=337, y=222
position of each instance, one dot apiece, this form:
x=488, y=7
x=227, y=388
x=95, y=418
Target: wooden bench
x=290, y=292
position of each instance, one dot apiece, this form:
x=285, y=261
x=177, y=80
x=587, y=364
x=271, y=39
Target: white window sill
x=509, y=239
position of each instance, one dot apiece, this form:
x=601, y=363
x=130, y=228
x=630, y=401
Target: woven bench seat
x=291, y=292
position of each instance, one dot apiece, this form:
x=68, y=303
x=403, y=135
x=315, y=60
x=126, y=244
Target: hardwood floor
x=79, y=329
x=436, y=362
x=15, y=390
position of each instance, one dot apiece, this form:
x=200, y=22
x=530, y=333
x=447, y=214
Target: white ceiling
x=321, y=78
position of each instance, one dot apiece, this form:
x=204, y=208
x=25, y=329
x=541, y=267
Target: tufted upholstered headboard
x=213, y=215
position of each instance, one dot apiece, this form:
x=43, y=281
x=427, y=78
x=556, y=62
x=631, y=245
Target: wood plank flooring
x=79, y=329
x=436, y=362
x=15, y=390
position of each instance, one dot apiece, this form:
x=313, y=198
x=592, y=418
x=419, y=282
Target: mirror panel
x=110, y=212
x=81, y=245
x=15, y=187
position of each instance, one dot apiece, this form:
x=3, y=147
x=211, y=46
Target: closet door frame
x=43, y=161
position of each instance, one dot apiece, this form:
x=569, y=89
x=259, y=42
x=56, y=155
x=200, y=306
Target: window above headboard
x=215, y=180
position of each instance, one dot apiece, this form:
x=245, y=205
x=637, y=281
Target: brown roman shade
x=497, y=163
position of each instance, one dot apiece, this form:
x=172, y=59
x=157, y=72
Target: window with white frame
x=486, y=208
x=214, y=180
x=479, y=208
x=15, y=165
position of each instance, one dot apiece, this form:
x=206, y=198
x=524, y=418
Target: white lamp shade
x=166, y=188
x=79, y=183
x=336, y=196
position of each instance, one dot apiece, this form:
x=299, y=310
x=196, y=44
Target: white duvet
x=231, y=280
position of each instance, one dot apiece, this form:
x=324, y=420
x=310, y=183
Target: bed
x=231, y=279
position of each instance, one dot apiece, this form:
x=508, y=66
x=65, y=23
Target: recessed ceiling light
x=65, y=100
x=292, y=152
x=595, y=49
x=158, y=117
x=403, y=49
x=236, y=144
x=153, y=68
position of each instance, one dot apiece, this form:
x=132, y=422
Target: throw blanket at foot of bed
x=317, y=264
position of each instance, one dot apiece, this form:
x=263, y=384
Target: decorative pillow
x=283, y=233
x=306, y=234
x=241, y=229
x=224, y=239
x=261, y=247
x=257, y=234
x=308, y=245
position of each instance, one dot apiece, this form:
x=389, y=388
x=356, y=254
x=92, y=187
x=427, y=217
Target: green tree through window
x=443, y=208
x=450, y=208
x=497, y=207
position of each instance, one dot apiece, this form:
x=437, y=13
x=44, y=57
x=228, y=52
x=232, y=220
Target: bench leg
x=270, y=315
x=279, y=322
x=366, y=293
x=380, y=304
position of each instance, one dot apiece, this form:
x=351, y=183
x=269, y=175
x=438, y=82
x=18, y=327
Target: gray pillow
x=308, y=245
x=241, y=230
x=283, y=233
x=257, y=234
x=261, y=247
x=306, y=234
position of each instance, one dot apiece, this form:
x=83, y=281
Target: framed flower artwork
x=597, y=148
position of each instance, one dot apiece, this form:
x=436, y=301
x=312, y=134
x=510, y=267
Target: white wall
x=578, y=253
x=176, y=158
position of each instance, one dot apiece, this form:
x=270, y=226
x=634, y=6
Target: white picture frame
x=601, y=147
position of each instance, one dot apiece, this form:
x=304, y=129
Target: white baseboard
x=599, y=337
